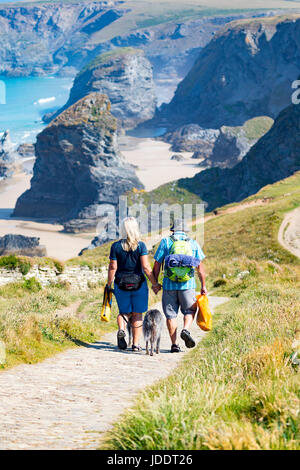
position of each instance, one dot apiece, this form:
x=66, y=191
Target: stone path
x=289, y=232
x=67, y=401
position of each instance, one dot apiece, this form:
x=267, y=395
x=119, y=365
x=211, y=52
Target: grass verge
x=36, y=323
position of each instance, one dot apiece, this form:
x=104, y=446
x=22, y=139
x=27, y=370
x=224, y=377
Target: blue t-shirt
x=128, y=261
x=164, y=250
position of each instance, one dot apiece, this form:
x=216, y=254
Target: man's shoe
x=186, y=336
x=121, y=340
x=175, y=348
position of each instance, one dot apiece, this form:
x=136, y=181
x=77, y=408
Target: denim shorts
x=132, y=301
x=173, y=299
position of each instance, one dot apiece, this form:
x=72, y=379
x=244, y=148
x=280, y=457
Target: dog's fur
x=152, y=328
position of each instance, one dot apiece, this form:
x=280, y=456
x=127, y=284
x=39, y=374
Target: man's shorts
x=132, y=301
x=173, y=299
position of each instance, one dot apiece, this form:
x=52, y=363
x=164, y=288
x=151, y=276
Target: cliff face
x=40, y=39
x=79, y=172
x=125, y=76
x=245, y=71
x=274, y=157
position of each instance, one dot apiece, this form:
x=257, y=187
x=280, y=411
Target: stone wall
x=79, y=277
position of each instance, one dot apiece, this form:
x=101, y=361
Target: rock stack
x=79, y=172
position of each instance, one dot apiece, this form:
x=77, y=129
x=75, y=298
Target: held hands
x=156, y=288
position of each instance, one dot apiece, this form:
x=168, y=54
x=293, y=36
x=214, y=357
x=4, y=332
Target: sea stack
x=79, y=170
x=125, y=76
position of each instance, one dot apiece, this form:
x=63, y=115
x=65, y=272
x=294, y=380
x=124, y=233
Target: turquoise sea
x=27, y=100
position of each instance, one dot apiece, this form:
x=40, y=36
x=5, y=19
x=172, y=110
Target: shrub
x=13, y=262
x=32, y=285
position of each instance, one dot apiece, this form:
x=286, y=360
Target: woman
x=128, y=264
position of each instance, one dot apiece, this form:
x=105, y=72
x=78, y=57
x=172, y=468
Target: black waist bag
x=130, y=281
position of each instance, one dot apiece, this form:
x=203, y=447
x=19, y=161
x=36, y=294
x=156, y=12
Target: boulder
x=19, y=245
x=178, y=158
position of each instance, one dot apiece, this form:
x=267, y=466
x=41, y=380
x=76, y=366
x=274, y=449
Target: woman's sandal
x=136, y=348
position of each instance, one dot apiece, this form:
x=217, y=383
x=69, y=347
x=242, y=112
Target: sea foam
x=45, y=100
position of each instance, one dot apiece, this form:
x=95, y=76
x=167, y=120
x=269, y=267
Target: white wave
x=45, y=100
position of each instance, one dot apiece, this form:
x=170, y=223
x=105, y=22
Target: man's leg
x=170, y=305
x=187, y=299
x=172, y=328
x=188, y=320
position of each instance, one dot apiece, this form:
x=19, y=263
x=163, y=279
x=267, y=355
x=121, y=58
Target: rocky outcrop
x=223, y=147
x=125, y=76
x=245, y=71
x=192, y=138
x=274, y=157
x=79, y=173
x=40, y=39
x=20, y=245
x=8, y=156
x=233, y=143
x=26, y=150
x=7, y=150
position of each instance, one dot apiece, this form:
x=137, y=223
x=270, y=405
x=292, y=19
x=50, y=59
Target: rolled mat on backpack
x=177, y=260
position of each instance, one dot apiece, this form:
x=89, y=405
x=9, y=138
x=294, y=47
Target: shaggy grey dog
x=152, y=328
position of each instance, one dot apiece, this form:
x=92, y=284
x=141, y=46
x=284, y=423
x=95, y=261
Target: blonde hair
x=130, y=234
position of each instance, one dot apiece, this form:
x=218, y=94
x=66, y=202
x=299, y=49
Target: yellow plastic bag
x=106, y=307
x=204, y=316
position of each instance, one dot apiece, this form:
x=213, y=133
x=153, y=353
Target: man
x=182, y=257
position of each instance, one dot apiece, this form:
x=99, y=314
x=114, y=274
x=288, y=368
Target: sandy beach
x=153, y=161
x=154, y=167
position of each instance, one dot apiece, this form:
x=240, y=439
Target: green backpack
x=181, y=274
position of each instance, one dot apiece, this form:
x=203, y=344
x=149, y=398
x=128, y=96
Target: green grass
x=254, y=128
x=237, y=389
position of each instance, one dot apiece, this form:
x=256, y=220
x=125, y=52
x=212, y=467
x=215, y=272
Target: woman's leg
x=121, y=322
x=137, y=322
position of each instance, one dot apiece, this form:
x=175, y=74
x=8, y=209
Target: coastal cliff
x=79, y=173
x=42, y=39
x=245, y=71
